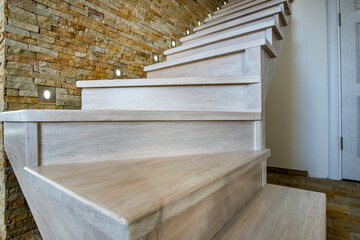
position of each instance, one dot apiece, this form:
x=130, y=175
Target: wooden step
x=232, y=5
x=174, y=94
x=228, y=38
x=254, y=7
x=279, y=213
x=238, y=23
x=274, y=10
x=146, y=198
x=116, y=135
x=156, y=70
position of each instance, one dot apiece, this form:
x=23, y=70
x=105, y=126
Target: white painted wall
x=297, y=103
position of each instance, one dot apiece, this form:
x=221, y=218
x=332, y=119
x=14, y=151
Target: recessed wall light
x=209, y=15
x=199, y=23
x=156, y=57
x=173, y=43
x=118, y=72
x=187, y=32
x=217, y=8
x=225, y=3
x=46, y=94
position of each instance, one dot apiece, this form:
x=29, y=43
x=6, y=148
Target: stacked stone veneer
x=57, y=42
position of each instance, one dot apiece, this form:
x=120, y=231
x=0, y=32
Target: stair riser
x=232, y=64
x=233, y=24
x=222, y=205
x=231, y=5
x=202, y=98
x=214, y=22
x=239, y=25
x=107, y=141
x=224, y=43
x=235, y=12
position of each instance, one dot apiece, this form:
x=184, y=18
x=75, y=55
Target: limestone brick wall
x=57, y=42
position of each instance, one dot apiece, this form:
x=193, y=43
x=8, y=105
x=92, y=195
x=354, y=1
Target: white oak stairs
x=179, y=155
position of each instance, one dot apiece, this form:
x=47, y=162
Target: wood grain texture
x=208, y=54
x=238, y=19
x=231, y=25
x=241, y=36
x=123, y=116
x=85, y=142
x=133, y=196
x=258, y=6
x=32, y=143
x=279, y=213
x=232, y=4
x=221, y=98
x=162, y=82
x=213, y=212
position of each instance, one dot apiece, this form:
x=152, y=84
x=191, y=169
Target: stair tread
x=211, y=53
x=231, y=5
x=224, y=36
x=124, y=116
x=279, y=212
x=258, y=6
x=247, y=18
x=130, y=190
x=150, y=82
x=218, y=28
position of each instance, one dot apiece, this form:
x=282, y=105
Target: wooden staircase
x=179, y=155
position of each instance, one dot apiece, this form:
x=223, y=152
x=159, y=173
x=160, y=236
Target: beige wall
x=297, y=103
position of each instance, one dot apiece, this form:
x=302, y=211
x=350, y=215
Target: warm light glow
x=156, y=58
x=47, y=94
x=118, y=72
x=209, y=15
x=187, y=32
x=217, y=8
x=224, y=3
x=199, y=23
x=173, y=43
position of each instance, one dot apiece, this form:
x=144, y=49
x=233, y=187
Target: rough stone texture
x=57, y=42
x=343, y=201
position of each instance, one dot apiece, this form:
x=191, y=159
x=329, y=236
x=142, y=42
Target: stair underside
x=279, y=213
x=131, y=196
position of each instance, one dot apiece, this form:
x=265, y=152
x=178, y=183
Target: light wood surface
x=245, y=10
x=210, y=54
x=233, y=24
x=254, y=16
x=211, y=213
x=134, y=193
x=115, y=141
x=246, y=34
x=232, y=4
x=218, y=98
x=123, y=116
x=153, y=82
x=279, y=213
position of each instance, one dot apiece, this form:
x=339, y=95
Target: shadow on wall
x=297, y=103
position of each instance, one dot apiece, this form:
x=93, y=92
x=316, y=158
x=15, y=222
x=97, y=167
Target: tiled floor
x=343, y=200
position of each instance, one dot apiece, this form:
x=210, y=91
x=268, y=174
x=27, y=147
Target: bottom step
x=279, y=213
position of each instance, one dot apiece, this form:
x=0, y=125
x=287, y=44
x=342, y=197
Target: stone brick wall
x=57, y=42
